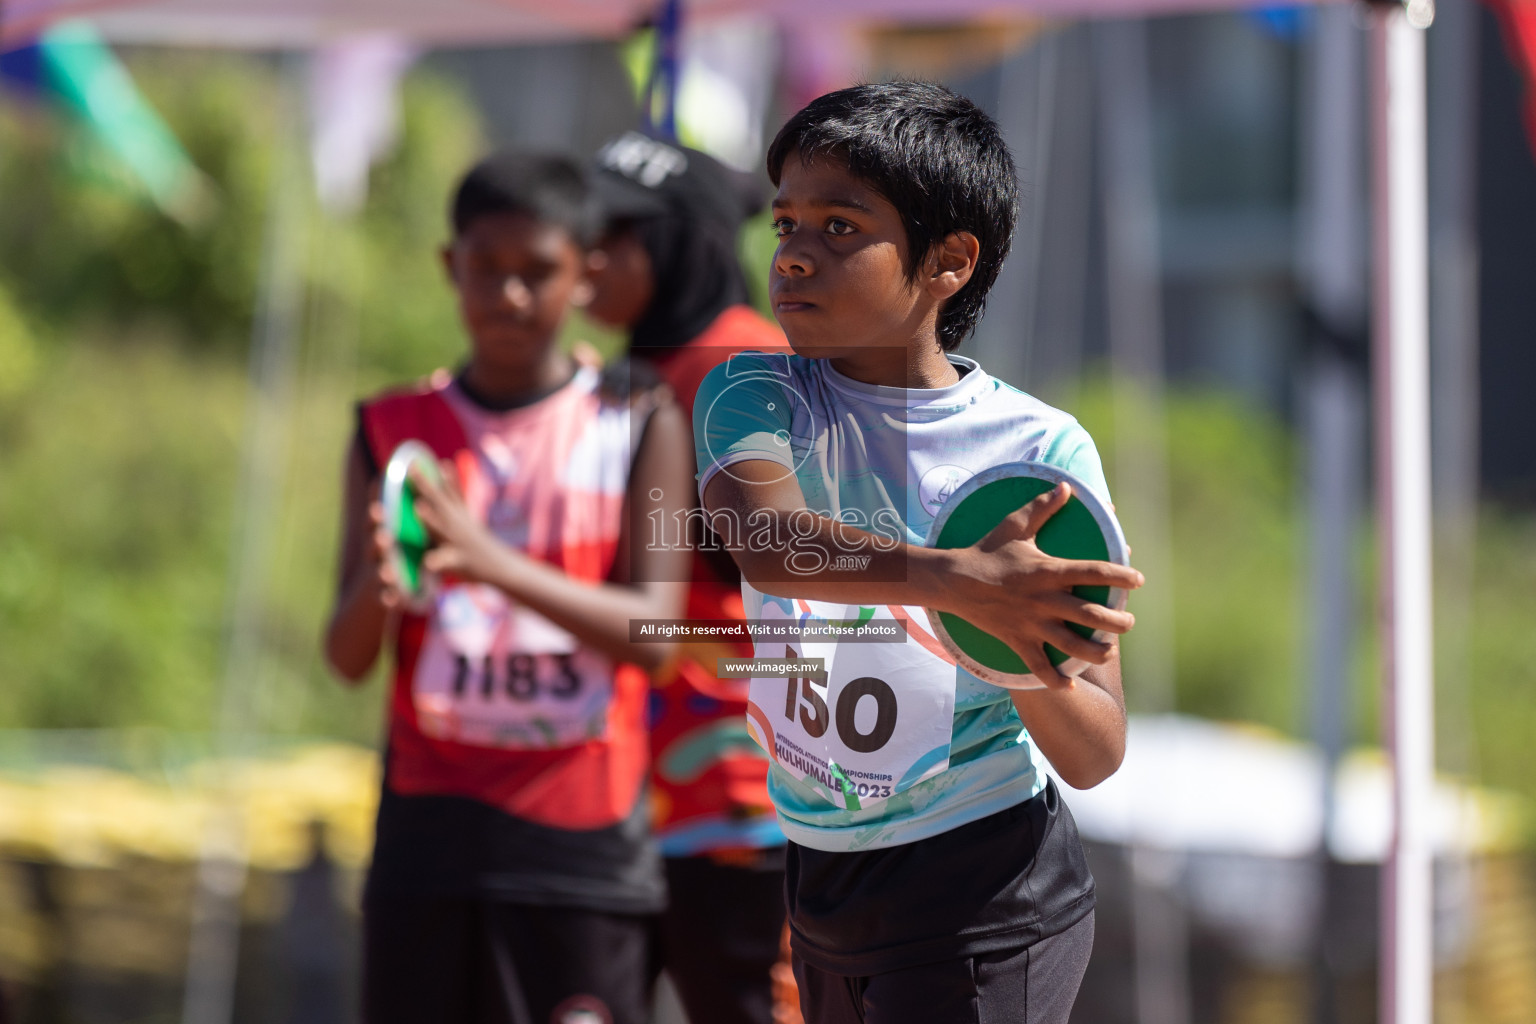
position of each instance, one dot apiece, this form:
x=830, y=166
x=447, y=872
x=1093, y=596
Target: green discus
x=410, y=540
x=1082, y=529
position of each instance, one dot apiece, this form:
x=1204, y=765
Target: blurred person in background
x=514, y=879
x=666, y=271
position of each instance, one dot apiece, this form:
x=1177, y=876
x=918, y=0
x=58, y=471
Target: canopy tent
x=1399, y=302
x=304, y=23
x=289, y=24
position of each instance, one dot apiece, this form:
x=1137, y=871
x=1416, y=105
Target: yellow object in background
x=86, y=816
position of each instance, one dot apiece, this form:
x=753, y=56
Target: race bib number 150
x=878, y=721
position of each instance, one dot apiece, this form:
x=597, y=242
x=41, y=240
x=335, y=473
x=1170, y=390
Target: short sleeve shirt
x=886, y=459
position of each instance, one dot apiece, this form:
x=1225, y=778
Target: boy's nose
x=791, y=260
x=515, y=293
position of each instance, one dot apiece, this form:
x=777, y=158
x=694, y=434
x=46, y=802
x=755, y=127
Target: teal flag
x=82, y=70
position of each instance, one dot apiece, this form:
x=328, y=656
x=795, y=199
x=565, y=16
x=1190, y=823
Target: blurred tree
x=18, y=348
x=87, y=254
x=115, y=477
x=86, y=249
x=119, y=434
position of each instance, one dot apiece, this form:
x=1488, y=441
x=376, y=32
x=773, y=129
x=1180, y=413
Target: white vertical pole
x=1400, y=354
x=213, y=957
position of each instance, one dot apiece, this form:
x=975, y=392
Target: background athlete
x=513, y=876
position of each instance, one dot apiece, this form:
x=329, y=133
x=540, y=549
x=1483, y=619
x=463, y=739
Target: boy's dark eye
x=783, y=226
x=838, y=226
x=482, y=265
x=537, y=274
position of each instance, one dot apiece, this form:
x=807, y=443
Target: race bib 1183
x=493, y=674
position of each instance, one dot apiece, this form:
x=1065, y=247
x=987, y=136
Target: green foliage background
x=123, y=391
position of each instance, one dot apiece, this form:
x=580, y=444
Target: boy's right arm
x=366, y=597
x=1004, y=583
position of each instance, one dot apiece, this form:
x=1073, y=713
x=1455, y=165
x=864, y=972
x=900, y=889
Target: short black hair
x=936, y=156
x=550, y=188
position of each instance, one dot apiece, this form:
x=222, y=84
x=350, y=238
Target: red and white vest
x=491, y=700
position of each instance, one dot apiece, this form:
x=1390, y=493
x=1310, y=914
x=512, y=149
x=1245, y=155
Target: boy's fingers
x=389, y=587
x=432, y=502
x=1074, y=645
x=438, y=489
x=440, y=561
x=430, y=518
x=392, y=598
x=1082, y=573
x=425, y=487
x=1034, y=515
x=450, y=471
x=376, y=513
x=1024, y=522
x=1039, y=665
x=1087, y=613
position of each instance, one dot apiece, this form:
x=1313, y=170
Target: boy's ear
x=445, y=253
x=951, y=264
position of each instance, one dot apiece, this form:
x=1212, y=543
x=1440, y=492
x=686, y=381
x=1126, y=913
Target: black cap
x=638, y=176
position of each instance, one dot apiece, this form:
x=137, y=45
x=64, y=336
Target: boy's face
x=515, y=277
x=838, y=282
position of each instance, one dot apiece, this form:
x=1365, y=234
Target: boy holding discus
x=513, y=875
x=933, y=872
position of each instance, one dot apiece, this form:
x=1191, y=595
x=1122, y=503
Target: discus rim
x=1117, y=551
x=394, y=495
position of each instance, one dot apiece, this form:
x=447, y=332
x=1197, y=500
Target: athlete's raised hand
x=462, y=546
x=1009, y=587
x=385, y=581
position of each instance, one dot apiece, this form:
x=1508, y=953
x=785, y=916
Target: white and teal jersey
x=896, y=743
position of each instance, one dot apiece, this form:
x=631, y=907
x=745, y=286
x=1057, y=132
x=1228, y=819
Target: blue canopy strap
x=661, y=88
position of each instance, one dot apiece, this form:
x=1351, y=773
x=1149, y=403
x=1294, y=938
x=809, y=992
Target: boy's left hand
x=1024, y=597
x=462, y=545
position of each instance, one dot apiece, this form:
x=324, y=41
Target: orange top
x=709, y=779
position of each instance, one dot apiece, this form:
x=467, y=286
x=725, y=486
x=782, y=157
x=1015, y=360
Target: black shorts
x=720, y=935
x=995, y=884
x=475, y=961
x=1035, y=984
